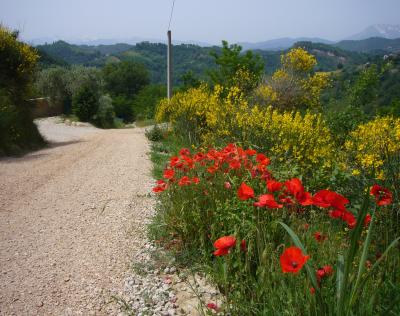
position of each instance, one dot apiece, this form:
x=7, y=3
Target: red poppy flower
x=304, y=198
x=312, y=291
x=295, y=188
x=274, y=186
x=245, y=192
x=223, y=245
x=212, y=169
x=324, y=272
x=350, y=219
x=161, y=186
x=267, y=200
x=199, y=157
x=336, y=213
x=212, y=306
x=319, y=237
x=173, y=161
x=345, y=215
x=234, y=164
x=158, y=189
x=285, y=200
x=263, y=160
x=188, y=162
x=320, y=274
x=250, y=152
x=326, y=198
x=292, y=260
x=227, y=185
x=367, y=220
x=184, y=152
x=328, y=270
x=169, y=173
x=185, y=180
x=196, y=180
x=382, y=195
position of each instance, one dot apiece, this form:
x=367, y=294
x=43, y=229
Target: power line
x=172, y=12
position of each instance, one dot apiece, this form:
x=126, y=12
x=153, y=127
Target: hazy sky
x=199, y=20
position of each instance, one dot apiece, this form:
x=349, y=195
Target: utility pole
x=169, y=66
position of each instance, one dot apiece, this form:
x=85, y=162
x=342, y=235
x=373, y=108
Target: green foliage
x=17, y=66
x=17, y=130
x=79, y=76
x=364, y=91
x=105, y=116
x=155, y=134
x=373, y=88
x=236, y=69
x=85, y=104
x=126, y=78
x=62, y=84
x=341, y=121
x=52, y=83
x=146, y=101
x=189, y=80
x=123, y=108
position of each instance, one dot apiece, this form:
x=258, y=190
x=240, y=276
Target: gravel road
x=71, y=216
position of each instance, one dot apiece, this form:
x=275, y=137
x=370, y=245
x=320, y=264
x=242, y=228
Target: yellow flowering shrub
x=264, y=95
x=188, y=111
x=284, y=135
x=371, y=144
x=294, y=85
x=18, y=60
x=298, y=59
x=290, y=135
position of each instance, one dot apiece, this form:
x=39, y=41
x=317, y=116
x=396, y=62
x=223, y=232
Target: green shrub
x=126, y=78
x=146, y=101
x=123, y=108
x=17, y=130
x=85, y=104
x=17, y=66
x=155, y=134
x=342, y=122
x=105, y=116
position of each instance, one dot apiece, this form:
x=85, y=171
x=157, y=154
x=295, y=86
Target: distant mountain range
x=388, y=31
x=385, y=31
x=377, y=45
x=282, y=43
x=109, y=41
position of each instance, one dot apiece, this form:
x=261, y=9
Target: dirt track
x=70, y=217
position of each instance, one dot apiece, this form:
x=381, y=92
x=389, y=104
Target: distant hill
x=371, y=45
x=282, y=43
x=153, y=55
x=185, y=57
x=378, y=30
x=189, y=57
x=45, y=60
x=329, y=58
x=72, y=54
